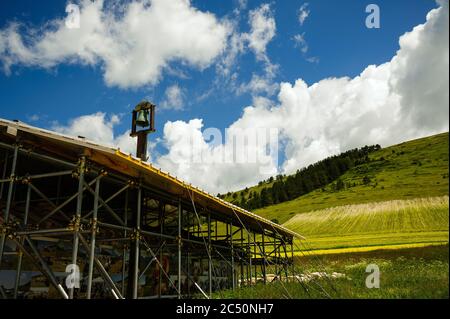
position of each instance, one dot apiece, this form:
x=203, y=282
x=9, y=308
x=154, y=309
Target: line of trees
x=283, y=188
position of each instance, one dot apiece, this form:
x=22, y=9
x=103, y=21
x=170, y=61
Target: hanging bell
x=142, y=118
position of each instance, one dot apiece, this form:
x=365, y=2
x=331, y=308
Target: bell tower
x=143, y=123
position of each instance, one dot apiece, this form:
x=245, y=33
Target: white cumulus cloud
x=133, y=42
x=214, y=162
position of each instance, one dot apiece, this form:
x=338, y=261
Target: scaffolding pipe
x=93, y=237
x=179, y=248
x=8, y=201
x=124, y=253
x=209, y=259
x=20, y=253
x=36, y=155
x=264, y=258
x=135, y=265
x=81, y=170
x=5, y=166
x=47, y=271
x=233, y=271
x=100, y=267
x=67, y=201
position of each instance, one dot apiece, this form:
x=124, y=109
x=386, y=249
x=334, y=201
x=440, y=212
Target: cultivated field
x=398, y=222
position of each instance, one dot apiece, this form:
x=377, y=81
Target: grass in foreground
x=416, y=273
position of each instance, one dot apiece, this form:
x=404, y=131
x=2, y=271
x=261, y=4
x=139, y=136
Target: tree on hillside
x=340, y=185
x=265, y=198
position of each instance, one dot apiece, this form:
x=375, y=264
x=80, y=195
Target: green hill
x=409, y=170
x=398, y=197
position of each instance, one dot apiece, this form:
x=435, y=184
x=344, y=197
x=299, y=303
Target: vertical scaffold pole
x=264, y=257
x=292, y=259
x=233, y=273
x=250, y=258
x=161, y=217
x=254, y=254
x=276, y=255
x=286, y=260
x=22, y=240
x=179, y=247
x=81, y=170
x=136, y=246
x=8, y=200
x=188, y=257
x=241, y=259
x=93, y=237
x=5, y=166
x=209, y=256
x=126, y=244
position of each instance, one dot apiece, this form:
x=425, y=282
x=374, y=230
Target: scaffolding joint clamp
x=133, y=184
x=75, y=224
x=179, y=240
x=136, y=234
x=93, y=225
x=25, y=180
x=82, y=167
x=8, y=229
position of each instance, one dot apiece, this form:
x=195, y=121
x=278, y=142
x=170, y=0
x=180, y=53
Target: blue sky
x=334, y=32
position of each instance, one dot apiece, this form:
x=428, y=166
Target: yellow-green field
x=399, y=222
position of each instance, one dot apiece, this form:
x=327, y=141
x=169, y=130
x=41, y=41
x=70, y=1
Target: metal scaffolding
x=83, y=221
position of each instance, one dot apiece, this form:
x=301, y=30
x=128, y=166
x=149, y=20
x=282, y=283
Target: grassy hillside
x=409, y=170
